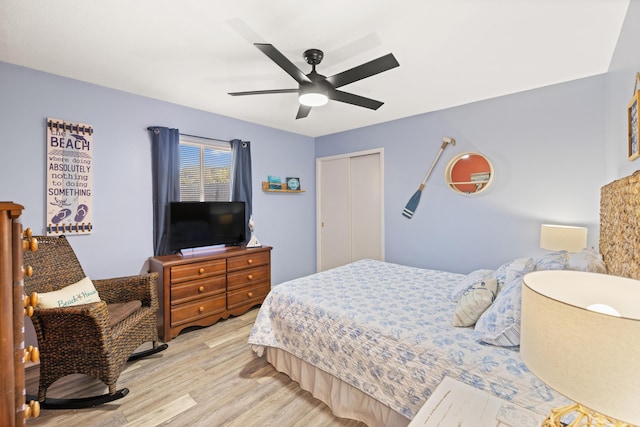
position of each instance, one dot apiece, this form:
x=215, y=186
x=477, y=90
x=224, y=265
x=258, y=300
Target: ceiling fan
x=315, y=89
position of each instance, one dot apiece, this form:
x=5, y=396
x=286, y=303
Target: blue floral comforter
x=386, y=330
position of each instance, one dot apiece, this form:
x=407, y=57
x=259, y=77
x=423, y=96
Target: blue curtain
x=165, y=167
x=241, y=190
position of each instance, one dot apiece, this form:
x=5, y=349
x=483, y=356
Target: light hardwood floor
x=207, y=377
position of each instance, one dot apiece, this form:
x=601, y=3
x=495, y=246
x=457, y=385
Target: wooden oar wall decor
x=412, y=204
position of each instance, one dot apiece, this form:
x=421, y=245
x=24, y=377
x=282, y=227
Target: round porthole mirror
x=469, y=173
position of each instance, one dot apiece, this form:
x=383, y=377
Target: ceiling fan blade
x=350, y=98
x=303, y=111
x=263, y=92
x=283, y=62
x=365, y=70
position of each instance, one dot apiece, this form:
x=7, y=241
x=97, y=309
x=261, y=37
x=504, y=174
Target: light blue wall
x=620, y=84
x=122, y=200
x=546, y=146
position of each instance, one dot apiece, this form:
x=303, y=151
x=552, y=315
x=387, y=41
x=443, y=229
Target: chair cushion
x=121, y=310
x=82, y=292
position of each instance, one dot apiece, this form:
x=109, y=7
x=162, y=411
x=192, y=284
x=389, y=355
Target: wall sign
x=69, y=182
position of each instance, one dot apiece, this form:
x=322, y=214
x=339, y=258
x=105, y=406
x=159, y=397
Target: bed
x=374, y=339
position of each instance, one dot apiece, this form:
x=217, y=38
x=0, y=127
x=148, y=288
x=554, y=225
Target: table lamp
x=580, y=334
x=563, y=237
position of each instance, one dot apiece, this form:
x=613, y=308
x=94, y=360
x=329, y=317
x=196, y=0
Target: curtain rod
x=196, y=136
x=204, y=137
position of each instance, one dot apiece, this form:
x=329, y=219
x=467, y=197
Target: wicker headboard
x=620, y=226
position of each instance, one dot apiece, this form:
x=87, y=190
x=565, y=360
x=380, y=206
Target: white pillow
x=82, y=292
x=586, y=260
x=467, y=282
x=474, y=302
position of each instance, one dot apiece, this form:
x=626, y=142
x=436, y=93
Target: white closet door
x=366, y=212
x=350, y=209
x=335, y=226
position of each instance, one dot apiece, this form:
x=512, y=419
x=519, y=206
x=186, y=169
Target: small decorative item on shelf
x=293, y=183
x=274, y=183
x=289, y=185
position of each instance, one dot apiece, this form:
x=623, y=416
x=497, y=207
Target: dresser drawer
x=197, y=309
x=247, y=277
x=248, y=296
x=197, y=270
x=187, y=291
x=245, y=261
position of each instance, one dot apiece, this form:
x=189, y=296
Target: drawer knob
x=250, y=276
x=33, y=299
x=249, y=261
x=32, y=410
x=32, y=354
x=31, y=244
x=29, y=303
x=28, y=233
x=250, y=294
x=28, y=271
x=200, y=309
x=201, y=270
x=201, y=289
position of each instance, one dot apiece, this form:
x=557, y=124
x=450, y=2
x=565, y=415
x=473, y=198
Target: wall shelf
x=266, y=189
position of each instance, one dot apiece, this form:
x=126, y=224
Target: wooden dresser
x=200, y=289
x=13, y=307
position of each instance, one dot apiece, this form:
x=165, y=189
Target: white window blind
x=205, y=170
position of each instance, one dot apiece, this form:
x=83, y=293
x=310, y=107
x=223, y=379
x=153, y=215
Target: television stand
x=201, y=288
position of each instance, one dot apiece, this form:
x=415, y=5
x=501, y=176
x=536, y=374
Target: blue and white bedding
x=386, y=329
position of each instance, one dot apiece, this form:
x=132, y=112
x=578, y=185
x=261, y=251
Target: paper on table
x=455, y=404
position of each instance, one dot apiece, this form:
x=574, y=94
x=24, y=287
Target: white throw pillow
x=474, y=302
x=82, y=292
x=467, y=282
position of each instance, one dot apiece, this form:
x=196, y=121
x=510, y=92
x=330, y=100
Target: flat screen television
x=198, y=224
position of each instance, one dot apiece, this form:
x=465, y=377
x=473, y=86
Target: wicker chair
x=81, y=339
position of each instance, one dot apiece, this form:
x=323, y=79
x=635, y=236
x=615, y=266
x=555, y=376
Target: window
x=205, y=170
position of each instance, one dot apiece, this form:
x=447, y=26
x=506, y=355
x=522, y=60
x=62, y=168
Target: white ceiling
x=193, y=52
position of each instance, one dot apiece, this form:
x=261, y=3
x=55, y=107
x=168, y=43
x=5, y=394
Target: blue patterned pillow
x=501, y=273
x=551, y=261
x=500, y=323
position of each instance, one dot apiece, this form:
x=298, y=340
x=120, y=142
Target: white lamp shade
x=563, y=237
x=590, y=357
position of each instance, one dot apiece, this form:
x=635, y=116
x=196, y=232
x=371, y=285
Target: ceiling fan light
x=313, y=99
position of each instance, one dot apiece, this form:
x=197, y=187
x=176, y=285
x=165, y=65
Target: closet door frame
x=319, y=160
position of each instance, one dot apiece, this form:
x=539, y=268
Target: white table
x=455, y=404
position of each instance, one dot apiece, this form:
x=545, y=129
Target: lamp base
x=253, y=243
x=584, y=417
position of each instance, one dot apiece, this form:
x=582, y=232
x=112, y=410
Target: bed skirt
x=344, y=400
